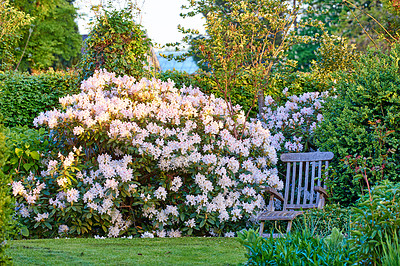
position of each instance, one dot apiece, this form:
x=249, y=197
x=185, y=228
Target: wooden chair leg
x=289, y=226
x=261, y=228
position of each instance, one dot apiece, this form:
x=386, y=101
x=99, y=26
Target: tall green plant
x=376, y=221
x=118, y=44
x=6, y=202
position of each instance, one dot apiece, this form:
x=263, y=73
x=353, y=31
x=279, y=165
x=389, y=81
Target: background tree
x=245, y=42
x=55, y=40
x=328, y=13
x=369, y=23
x=118, y=44
x=11, y=23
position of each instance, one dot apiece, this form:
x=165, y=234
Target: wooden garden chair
x=304, y=187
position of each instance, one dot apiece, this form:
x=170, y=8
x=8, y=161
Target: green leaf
x=19, y=152
x=24, y=231
x=35, y=155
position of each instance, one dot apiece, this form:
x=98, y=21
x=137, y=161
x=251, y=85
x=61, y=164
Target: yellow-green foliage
x=6, y=202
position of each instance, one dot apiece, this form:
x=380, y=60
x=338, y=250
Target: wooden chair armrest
x=321, y=191
x=274, y=193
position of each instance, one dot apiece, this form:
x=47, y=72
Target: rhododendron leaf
x=24, y=231
x=48, y=225
x=202, y=223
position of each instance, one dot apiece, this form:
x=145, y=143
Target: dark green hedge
x=24, y=96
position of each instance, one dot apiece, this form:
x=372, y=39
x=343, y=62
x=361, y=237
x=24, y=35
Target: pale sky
x=159, y=17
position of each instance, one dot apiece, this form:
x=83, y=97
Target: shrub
x=167, y=161
x=297, y=248
x=118, y=44
x=363, y=120
x=6, y=203
x=24, y=96
x=376, y=220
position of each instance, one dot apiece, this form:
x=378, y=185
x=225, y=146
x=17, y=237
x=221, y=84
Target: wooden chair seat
x=279, y=215
x=304, y=187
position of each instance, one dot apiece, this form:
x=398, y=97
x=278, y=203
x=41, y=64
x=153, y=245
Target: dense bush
x=297, y=248
x=118, y=44
x=376, y=221
x=24, y=96
x=364, y=120
x=6, y=202
x=166, y=161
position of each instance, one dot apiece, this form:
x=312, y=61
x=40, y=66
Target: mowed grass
x=156, y=251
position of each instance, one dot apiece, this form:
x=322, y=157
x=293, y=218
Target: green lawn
x=156, y=251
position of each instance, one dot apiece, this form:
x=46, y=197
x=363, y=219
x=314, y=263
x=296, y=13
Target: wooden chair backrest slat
x=299, y=191
x=300, y=182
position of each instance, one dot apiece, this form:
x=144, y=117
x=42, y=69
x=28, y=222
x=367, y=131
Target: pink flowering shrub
x=147, y=158
x=292, y=124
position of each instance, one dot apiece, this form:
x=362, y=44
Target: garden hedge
x=24, y=96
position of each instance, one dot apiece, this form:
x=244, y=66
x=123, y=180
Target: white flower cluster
x=215, y=163
x=293, y=123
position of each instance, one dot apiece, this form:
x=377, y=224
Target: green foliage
x=369, y=23
x=391, y=251
x=26, y=145
x=24, y=96
x=322, y=221
x=297, y=248
x=54, y=41
x=116, y=43
x=376, y=221
x=334, y=53
x=6, y=202
x=11, y=23
x=363, y=120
